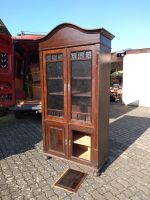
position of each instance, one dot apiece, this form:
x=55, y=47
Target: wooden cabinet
x=75, y=69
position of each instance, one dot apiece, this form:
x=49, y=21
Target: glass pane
x=55, y=69
x=55, y=85
x=55, y=102
x=81, y=87
x=81, y=68
x=54, y=57
x=80, y=54
x=48, y=58
x=60, y=56
x=55, y=88
x=81, y=108
x=74, y=56
x=88, y=54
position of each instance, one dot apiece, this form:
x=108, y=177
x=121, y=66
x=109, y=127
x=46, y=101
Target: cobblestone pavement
x=24, y=174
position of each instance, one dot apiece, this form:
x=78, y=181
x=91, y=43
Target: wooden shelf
x=55, y=110
x=80, y=113
x=81, y=94
x=82, y=78
x=55, y=78
x=52, y=61
x=86, y=155
x=81, y=152
x=56, y=93
x=80, y=59
x=83, y=140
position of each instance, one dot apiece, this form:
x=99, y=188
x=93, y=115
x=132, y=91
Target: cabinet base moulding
x=46, y=157
x=95, y=171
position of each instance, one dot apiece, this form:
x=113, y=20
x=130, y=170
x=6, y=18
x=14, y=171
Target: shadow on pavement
x=25, y=133
x=20, y=136
x=123, y=133
x=117, y=110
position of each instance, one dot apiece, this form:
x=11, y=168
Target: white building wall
x=136, y=79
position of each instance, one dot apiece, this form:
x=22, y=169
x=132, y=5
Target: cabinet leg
x=46, y=157
x=96, y=173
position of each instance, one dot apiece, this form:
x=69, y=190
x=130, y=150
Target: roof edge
x=137, y=51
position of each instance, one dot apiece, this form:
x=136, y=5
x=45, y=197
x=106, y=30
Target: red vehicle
x=19, y=71
x=7, y=96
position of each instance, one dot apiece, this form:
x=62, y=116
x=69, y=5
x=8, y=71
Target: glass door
x=80, y=80
x=55, y=76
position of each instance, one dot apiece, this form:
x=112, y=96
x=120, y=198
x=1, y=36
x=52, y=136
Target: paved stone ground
x=24, y=174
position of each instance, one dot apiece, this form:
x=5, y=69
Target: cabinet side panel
x=105, y=41
x=42, y=97
x=103, y=121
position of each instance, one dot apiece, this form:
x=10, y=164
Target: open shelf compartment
x=81, y=147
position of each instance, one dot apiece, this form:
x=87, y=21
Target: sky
x=127, y=20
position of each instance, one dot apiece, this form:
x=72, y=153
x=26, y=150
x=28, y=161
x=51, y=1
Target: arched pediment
x=66, y=34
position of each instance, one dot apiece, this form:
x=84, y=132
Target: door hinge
x=69, y=142
x=65, y=141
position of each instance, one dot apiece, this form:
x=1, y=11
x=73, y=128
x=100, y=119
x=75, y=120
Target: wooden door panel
x=55, y=139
